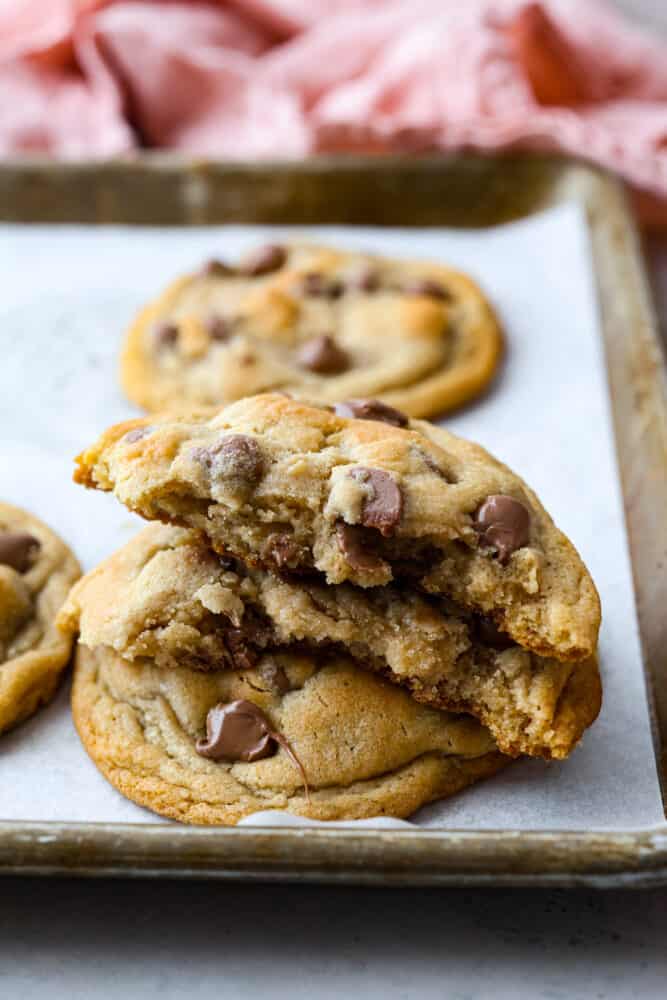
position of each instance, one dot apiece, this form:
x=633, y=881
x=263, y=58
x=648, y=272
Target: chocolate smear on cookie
x=503, y=523
x=384, y=507
x=18, y=549
x=240, y=731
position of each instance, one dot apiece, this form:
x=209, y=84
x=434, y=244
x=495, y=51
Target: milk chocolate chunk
x=264, y=260
x=166, y=334
x=218, y=328
x=237, y=731
x=384, y=507
x=433, y=289
x=216, y=268
x=240, y=731
x=319, y=285
x=236, y=456
x=356, y=545
x=282, y=551
x=371, y=409
x=323, y=356
x=503, y=523
x=274, y=676
x=18, y=549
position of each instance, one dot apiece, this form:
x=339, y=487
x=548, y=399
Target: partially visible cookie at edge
x=37, y=570
x=364, y=747
x=319, y=323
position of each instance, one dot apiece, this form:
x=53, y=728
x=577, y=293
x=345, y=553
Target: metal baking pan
x=458, y=191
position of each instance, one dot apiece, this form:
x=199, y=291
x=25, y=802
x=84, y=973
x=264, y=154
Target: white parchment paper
x=67, y=295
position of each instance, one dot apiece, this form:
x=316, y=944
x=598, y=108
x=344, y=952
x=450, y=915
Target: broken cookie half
x=168, y=599
x=358, y=493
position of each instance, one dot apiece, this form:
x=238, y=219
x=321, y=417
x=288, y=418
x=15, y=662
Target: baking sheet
x=67, y=295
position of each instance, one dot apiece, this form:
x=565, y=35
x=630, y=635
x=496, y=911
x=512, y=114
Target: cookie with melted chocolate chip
x=364, y=501
x=167, y=597
x=364, y=746
x=323, y=324
x=36, y=572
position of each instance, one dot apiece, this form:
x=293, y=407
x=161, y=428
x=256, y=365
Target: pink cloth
x=287, y=78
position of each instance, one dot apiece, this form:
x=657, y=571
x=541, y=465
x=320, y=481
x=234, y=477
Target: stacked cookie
x=344, y=613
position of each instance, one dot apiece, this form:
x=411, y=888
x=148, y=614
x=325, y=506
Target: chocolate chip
x=282, y=551
x=240, y=731
x=503, y=523
x=242, y=653
x=324, y=356
x=318, y=285
x=236, y=731
x=383, y=509
x=18, y=549
x=234, y=457
x=218, y=328
x=432, y=289
x=137, y=434
x=274, y=676
x=371, y=409
x=216, y=269
x=367, y=280
x=487, y=632
x=166, y=334
x=356, y=544
x=264, y=260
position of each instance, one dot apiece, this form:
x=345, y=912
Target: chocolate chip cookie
x=168, y=597
x=322, y=324
x=319, y=738
x=36, y=572
x=360, y=495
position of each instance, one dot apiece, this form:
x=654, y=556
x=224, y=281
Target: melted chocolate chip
x=239, y=643
x=237, y=731
x=264, y=260
x=356, y=544
x=216, y=269
x=383, y=509
x=324, y=356
x=218, y=328
x=18, y=549
x=234, y=457
x=240, y=731
x=137, y=434
x=487, y=632
x=320, y=286
x=371, y=409
x=432, y=289
x=166, y=334
x=503, y=523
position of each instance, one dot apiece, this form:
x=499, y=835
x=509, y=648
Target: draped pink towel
x=288, y=78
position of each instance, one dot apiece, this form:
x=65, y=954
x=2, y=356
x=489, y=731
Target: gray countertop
x=87, y=940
